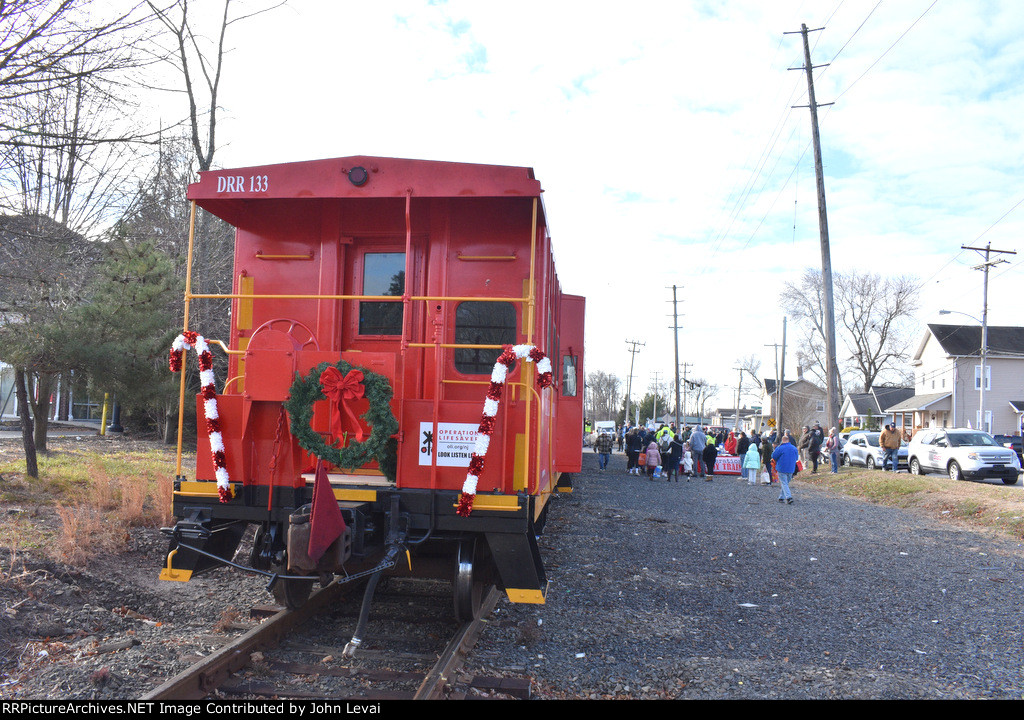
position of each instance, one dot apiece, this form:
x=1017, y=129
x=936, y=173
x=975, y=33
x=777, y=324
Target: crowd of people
x=692, y=452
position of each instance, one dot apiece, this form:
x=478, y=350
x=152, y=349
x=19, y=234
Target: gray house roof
x=877, y=400
x=919, y=402
x=965, y=340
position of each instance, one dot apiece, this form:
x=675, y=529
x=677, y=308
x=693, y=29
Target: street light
x=984, y=351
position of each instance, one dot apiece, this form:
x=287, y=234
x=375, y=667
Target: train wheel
x=293, y=594
x=474, y=574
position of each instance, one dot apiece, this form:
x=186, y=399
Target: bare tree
x=805, y=303
x=67, y=153
x=603, y=395
x=46, y=44
x=700, y=392
x=873, y=313
x=200, y=60
x=750, y=366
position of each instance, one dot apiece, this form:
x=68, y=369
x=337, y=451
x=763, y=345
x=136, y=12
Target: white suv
x=962, y=454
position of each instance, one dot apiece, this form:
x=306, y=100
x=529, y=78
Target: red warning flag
x=325, y=521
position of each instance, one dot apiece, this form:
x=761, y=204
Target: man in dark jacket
x=710, y=455
x=698, y=441
x=814, y=446
x=742, y=443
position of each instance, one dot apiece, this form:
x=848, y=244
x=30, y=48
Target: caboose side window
x=482, y=323
x=383, y=274
x=568, y=376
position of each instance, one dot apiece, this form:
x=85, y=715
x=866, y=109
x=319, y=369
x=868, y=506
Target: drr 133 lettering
x=237, y=183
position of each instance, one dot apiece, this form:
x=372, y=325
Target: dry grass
x=979, y=505
x=91, y=499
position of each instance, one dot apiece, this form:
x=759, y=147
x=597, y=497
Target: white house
x=741, y=419
x=948, y=380
x=867, y=409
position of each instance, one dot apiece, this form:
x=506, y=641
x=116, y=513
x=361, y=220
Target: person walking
x=633, y=447
x=698, y=441
x=803, y=443
x=766, y=457
x=890, y=441
x=785, y=457
x=672, y=459
x=687, y=461
x=752, y=463
x=710, y=455
x=653, y=458
x=814, y=447
x=604, y=450
x=832, y=447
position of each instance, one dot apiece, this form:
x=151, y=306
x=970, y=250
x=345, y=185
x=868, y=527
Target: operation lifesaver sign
x=453, y=444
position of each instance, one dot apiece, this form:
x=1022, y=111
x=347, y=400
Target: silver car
x=962, y=454
x=862, y=448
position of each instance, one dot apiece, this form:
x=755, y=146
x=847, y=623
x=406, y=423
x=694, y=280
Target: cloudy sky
x=664, y=137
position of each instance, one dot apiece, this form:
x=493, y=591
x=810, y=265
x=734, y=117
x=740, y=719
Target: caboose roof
x=220, y=191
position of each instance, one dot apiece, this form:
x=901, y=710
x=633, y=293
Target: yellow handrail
x=188, y=291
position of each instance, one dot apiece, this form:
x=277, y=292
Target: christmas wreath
x=343, y=383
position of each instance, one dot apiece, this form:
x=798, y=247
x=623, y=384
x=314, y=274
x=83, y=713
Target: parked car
x=962, y=453
x=1014, y=443
x=862, y=448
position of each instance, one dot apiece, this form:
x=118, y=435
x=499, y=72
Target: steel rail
x=454, y=655
x=198, y=681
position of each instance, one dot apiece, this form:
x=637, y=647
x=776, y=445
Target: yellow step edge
x=532, y=597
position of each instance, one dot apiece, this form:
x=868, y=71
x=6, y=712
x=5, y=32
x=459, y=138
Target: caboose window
x=482, y=323
x=383, y=274
x=568, y=376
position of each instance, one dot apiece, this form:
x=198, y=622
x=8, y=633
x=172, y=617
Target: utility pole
x=634, y=349
x=831, y=367
x=675, y=337
x=775, y=350
x=984, y=324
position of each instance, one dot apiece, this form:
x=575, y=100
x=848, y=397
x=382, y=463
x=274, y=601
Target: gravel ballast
x=692, y=590
x=714, y=590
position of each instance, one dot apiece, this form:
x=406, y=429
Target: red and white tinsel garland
x=193, y=339
x=528, y=353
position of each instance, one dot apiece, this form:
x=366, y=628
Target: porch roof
x=934, y=401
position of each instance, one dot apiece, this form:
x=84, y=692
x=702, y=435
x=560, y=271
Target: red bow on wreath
x=341, y=391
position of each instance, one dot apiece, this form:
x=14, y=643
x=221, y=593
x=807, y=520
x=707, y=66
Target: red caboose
x=416, y=275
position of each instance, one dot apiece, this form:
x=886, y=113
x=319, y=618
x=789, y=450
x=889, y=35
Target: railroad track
x=411, y=650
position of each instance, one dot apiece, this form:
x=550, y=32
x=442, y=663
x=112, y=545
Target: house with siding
x=948, y=383
x=803, y=403
x=866, y=410
x=8, y=407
